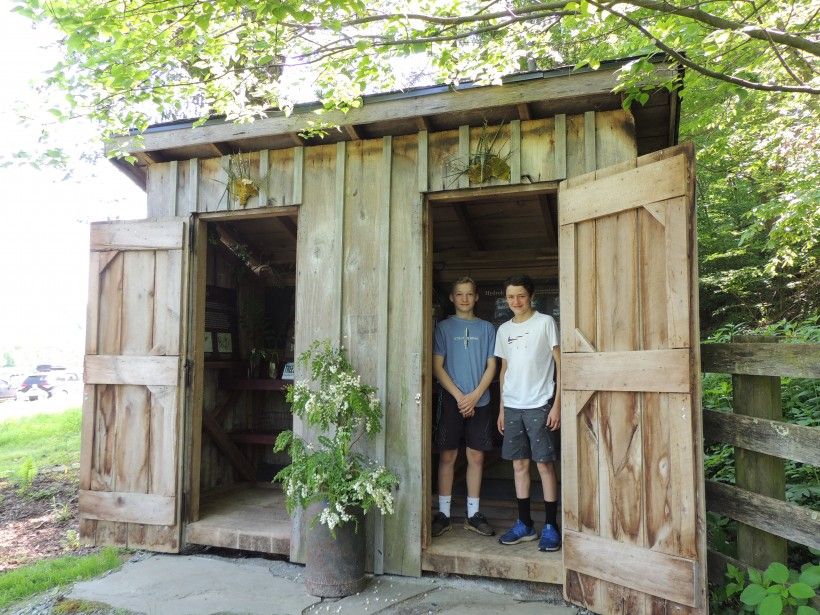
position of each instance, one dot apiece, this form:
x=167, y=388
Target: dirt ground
x=40, y=523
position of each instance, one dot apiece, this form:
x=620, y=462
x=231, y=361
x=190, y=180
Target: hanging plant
x=486, y=162
x=241, y=187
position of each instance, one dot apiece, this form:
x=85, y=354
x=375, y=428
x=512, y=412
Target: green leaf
x=801, y=590
x=755, y=576
x=753, y=594
x=807, y=610
x=770, y=605
x=776, y=572
x=811, y=576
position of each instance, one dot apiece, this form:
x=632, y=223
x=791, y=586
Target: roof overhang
x=531, y=95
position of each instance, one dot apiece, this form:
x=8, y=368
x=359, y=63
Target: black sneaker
x=441, y=524
x=478, y=524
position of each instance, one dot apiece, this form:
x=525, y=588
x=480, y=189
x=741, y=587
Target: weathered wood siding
x=360, y=259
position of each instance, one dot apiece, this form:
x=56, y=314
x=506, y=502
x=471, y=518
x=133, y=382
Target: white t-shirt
x=527, y=348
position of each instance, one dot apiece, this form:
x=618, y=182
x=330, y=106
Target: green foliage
x=777, y=590
x=333, y=472
x=20, y=583
x=26, y=474
x=48, y=439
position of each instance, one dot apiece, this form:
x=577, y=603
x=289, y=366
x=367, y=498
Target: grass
x=21, y=583
x=46, y=439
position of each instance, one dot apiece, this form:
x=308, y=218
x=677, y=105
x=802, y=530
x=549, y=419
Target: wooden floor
x=461, y=551
x=252, y=518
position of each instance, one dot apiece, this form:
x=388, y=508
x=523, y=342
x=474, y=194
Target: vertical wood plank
x=264, y=183
x=443, y=160
x=339, y=215
x=193, y=417
x=212, y=189
x=560, y=146
x=404, y=434
x=187, y=187
x=161, y=189
x=515, y=152
x=298, y=172
x=223, y=204
x=422, y=161
x=318, y=269
x=280, y=177
x=567, y=278
x=383, y=230
x=576, y=156
x=677, y=273
x=463, y=154
x=569, y=460
x=537, y=150
x=614, y=138
x=590, y=159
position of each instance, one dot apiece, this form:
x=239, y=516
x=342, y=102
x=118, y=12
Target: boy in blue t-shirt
x=464, y=364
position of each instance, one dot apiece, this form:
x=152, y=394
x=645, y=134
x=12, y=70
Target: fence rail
x=762, y=441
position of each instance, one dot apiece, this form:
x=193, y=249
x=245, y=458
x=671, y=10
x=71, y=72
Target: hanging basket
x=334, y=566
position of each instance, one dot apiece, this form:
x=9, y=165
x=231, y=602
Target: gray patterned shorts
x=526, y=435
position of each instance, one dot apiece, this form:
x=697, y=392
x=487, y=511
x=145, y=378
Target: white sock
x=444, y=504
x=472, y=506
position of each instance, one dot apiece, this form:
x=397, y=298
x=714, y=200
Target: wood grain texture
x=651, y=184
x=590, y=159
x=161, y=189
x=785, y=440
x=212, y=194
x=537, y=155
x=650, y=572
x=560, y=146
x=127, y=507
x=665, y=371
x=758, y=359
x=145, y=235
x=796, y=523
x=635, y=443
x=280, y=177
x=116, y=369
x=515, y=151
x=404, y=435
x=463, y=181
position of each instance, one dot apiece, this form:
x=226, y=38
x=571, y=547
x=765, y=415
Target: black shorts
x=451, y=426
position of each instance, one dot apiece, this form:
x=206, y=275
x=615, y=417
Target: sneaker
x=518, y=533
x=478, y=523
x=441, y=524
x=550, y=539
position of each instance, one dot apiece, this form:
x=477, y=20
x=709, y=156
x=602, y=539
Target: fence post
x=758, y=396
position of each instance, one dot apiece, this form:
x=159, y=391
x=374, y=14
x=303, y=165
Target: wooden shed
x=355, y=237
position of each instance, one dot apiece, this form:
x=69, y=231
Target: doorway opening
x=488, y=236
x=245, y=293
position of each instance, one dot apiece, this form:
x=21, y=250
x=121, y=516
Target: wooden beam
x=352, y=132
x=548, y=215
x=131, y=369
x=757, y=359
x=235, y=243
x=467, y=225
x=644, y=570
x=296, y=139
x=143, y=235
x=784, y=440
x=289, y=225
x=488, y=193
x=790, y=521
x=221, y=149
x=226, y=405
x=524, y=111
x=226, y=445
x=127, y=507
x=457, y=100
x=423, y=123
x=658, y=371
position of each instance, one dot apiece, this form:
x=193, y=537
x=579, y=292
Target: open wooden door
x=633, y=502
x=129, y=464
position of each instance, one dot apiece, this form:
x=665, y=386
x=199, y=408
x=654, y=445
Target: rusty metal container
x=334, y=566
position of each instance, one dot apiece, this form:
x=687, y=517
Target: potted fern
x=332, y=482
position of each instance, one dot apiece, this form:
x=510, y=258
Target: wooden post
x=758, y=396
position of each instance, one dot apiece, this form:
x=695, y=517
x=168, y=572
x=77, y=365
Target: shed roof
x=529, y=95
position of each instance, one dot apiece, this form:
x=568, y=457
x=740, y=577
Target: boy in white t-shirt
x=530, y=409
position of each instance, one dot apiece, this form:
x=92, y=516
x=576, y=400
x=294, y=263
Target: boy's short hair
x=520, y=280
x=464, y=280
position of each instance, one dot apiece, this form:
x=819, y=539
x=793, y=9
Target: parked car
x=48, y=384
x=7, y=391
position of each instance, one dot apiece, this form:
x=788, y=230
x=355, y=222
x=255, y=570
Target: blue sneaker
x=550, y=539
x=518, y=533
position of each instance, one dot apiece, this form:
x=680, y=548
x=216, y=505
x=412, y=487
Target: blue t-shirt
x=465, y=345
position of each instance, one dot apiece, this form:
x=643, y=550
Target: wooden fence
x=762, y=442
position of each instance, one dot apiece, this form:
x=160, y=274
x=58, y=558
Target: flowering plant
x=343, y=409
